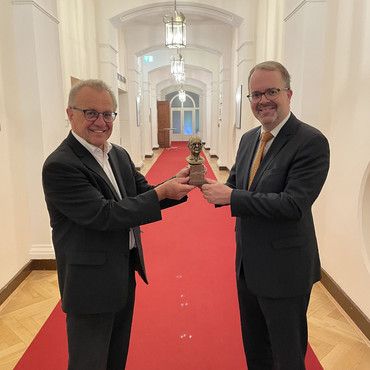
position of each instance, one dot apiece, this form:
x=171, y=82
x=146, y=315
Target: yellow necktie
x=266, y=136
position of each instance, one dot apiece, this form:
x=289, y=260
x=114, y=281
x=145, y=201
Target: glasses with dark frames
x=270, y=94
x=92, y=115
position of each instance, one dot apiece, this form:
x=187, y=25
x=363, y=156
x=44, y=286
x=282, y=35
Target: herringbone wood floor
x=337, y=342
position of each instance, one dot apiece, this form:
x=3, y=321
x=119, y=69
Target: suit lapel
x=279, y=142
x=90, y=162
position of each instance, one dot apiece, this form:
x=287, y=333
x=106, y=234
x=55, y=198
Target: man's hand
x=175, y=188
x=185, y=172
x=216, y=193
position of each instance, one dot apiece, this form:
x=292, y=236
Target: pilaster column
x=225, y=124
x=145, y=121
x=41, y=112
x=108, y=60
x=215, y=119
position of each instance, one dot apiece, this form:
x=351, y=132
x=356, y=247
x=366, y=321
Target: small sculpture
x=195, y=146
x=195, y=160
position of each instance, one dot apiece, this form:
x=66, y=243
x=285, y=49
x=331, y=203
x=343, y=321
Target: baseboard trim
x=349, y=307
x=14, y=283
x=44, y=264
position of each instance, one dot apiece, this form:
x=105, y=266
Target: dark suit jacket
x=275, y=232
x=90, y=224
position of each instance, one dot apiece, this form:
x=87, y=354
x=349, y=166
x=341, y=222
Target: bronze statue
x=195, y=146
x=195, y=160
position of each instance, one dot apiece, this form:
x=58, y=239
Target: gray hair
x=272, y=66
x=97, y=85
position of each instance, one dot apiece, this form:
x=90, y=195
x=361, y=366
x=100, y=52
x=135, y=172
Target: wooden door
x=164, y=124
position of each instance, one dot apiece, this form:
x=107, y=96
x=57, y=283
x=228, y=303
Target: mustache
x=268, y=104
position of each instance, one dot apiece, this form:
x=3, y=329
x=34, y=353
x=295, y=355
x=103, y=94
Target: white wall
x=77, y=34
x=32, y=119
x=328, y=53
x=14, y=243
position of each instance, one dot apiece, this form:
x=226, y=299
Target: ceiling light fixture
x=175, y=29
x=177, y=64
x=180, y=78
x=182, y=95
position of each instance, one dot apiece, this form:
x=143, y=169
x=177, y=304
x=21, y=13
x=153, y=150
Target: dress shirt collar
x=92, y=148
x=276, y=130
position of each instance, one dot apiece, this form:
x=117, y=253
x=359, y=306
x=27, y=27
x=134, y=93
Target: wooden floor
x=337, y=342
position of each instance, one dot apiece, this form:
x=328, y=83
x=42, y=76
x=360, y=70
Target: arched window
x=184, y=115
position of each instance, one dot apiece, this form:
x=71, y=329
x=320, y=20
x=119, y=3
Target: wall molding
x=37, y=6
x=299, y=6
x=42, y=252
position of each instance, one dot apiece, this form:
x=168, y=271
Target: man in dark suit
x=97, y=200
x=277, y=259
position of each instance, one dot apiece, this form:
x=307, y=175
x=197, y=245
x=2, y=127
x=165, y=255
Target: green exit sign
x=148, y=58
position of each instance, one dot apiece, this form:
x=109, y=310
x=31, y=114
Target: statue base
x=197, y=172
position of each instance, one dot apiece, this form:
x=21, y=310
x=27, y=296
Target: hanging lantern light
x=177, y=64
x=175, y=29
x=180, y=78
x=182, y=96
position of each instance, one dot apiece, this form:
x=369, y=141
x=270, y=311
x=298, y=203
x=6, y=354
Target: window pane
x=195, y=97
x=188, y=103
x=188, y=123
x=171, y=95
x=176, y=122
x=176, y=103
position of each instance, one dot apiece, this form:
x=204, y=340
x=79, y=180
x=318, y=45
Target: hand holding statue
x=185, y=172
x=177, y=187
x=216, y=193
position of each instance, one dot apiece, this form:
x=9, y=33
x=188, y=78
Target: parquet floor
x=337, y=342
x=23, y=314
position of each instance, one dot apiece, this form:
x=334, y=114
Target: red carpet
x=187, y=318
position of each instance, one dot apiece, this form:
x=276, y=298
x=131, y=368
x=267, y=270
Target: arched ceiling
x=207, y=26
x=195, y=13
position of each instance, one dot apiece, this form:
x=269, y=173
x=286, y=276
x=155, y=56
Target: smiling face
x=195, y=146
x=97, y=132
x=269, y=112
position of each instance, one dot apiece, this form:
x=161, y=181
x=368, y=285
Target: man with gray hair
x=96, y=201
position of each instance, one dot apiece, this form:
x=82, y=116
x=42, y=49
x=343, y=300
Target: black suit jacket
x=90, y=224
x=275, y=232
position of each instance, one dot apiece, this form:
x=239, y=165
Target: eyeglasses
x=270, y=94
x=92, y=115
